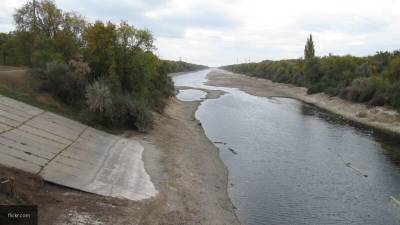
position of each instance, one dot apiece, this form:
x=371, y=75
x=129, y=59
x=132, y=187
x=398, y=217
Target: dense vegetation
x=374, y=80
x=180, y=66
x=107, y=71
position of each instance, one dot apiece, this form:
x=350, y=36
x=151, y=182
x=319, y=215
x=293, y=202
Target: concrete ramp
x=69, y=153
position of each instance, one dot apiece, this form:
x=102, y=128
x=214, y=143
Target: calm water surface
x=296, y=164
x=191, y=95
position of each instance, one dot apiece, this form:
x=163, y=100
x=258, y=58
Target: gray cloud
x=172, y=25
x=224, y=31
x=341, y=23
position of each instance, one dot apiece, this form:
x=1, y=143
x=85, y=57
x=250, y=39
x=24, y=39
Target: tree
x=67, y=45
x=393, y=71
x=130, y=42
x=75, y=24
x=4, y=38
x=42, y=16
x=309, y=51
x=311, y=64
x=100, y=48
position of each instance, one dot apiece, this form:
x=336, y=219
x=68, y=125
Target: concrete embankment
x=69, y=153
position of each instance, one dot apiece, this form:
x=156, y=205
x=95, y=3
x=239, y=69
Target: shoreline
x=381, y=119
x=192, y=178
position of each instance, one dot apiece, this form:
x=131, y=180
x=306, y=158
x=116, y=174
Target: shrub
x=360, y=90
x=98, y=97
x=118, y=111
x=130, y=113
x=395, y=95
x=143, y=117
x=380, y=98
x=66, y=81
x=315, y=88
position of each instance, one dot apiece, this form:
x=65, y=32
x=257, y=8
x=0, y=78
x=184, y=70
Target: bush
x=98, y=97
x=313, y=89
x=118, y=111
x=143, y=117
x=66, y=81
x=360, y=90
x=380, y=99
x=130, y=113
x=395, y=95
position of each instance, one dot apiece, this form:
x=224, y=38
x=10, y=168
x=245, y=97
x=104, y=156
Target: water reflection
x=191, y=95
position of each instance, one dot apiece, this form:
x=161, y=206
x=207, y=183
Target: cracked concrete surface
x=69, y=153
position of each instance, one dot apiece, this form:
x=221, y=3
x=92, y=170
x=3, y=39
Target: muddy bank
x=381, y=118
x=186, y=169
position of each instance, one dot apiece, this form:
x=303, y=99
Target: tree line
x=374, y=80
x=109, y=71
x=180, y=66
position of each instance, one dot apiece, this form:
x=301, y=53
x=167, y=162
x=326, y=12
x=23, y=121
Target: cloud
x=163, y=18
x=229, y=31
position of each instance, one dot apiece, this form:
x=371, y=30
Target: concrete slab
x=25, y=147
x=14, y=117
x=44, y=134
x=4, y=127
x=14, y=162
x=23, y=155
x=9, y=122
x=33, y=140
x=20, y=106
x=72, y=154
x=120, y=172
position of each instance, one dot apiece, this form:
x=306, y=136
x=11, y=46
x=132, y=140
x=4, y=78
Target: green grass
x=32, y=100
x=21, y=86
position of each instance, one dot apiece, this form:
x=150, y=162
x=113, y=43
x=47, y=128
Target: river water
x=292, y=163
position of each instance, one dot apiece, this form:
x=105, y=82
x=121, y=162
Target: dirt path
x=384, y=119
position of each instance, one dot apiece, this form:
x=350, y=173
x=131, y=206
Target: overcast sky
x=219, y=32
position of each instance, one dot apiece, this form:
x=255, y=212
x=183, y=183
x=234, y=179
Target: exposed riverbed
x=292, y=163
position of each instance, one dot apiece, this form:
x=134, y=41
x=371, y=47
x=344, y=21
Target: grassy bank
x=18, y=83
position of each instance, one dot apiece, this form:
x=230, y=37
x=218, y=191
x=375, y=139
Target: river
x=292, y=163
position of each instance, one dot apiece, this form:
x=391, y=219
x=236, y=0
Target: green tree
x=130, y=42
x=100, y=48
x=311, y=63
x=75, y=24
x=4, y=38
x=309, y=51
x=20, y=49
x=39, y=16
x=393, y=71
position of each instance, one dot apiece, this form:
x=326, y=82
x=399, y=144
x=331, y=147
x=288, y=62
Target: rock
x=7, y=186
x=361, y=114
x=219, y=142
x=232, y=150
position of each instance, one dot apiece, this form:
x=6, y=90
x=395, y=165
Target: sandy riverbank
x=186, y=168
x=381, y=118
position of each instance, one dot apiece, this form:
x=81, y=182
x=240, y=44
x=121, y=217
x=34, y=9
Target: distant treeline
x=180, y=66
x=374, y=80
x=107, y=70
